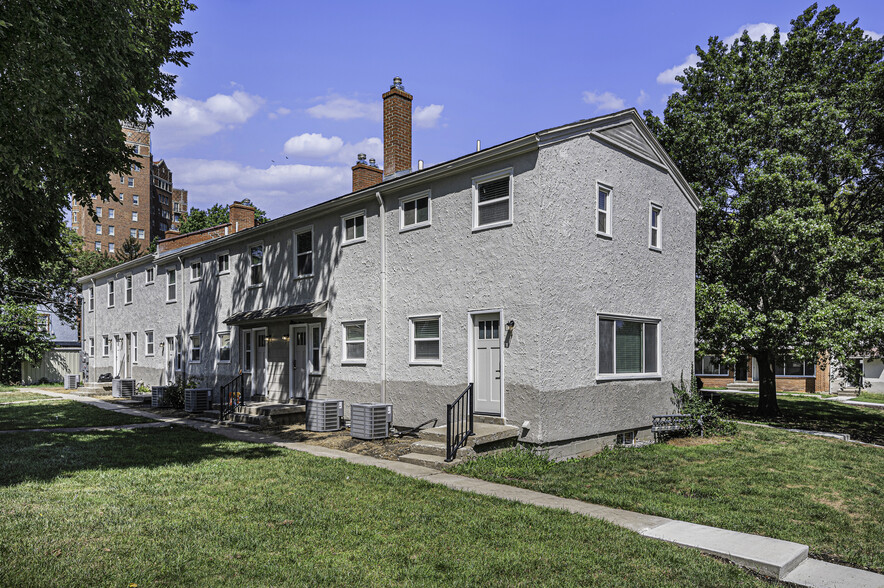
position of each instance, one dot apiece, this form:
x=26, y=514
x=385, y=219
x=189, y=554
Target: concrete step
x=743, y=386
x=438, y=448
x=271, y=413
x=488, y=419
x=485, y=434
x=436, y=462
x=89, y=391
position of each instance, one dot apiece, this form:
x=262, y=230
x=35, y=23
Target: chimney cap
x=397, y=84
x=360, y=158
x=372, y=162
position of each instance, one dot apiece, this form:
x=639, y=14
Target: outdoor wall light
x=162, y=345
x=510, y=325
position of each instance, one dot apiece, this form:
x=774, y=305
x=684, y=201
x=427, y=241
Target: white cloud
x=278, y=189
x=604, y=101
x=642, y=98
x=281, y=111
x=426, y=117
x=193, y=119
x=340, y=108
x=333, y=149
x=875, y=36
x=755, y=30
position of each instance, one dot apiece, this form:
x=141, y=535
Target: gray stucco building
x=554, y=271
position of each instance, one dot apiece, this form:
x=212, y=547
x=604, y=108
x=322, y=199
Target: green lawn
x=60, y=413
x=862, y=424
x=821, y=492
x=179, y=507
x=870, y=397
x=13, y=395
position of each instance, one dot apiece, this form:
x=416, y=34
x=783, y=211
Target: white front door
x=259, y=372
x=486, y=363
x=170, y=360
x=128, y=355
x=118, y=357
x=298, y=343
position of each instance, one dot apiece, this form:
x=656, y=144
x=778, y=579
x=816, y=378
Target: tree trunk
x=767, y=384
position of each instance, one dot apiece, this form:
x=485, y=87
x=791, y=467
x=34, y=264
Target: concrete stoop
x=92, y=389
x=489, y=437
x=743, y=386
x=269, y=413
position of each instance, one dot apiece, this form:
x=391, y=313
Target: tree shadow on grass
x=55, y=413
x=861, y=424
x=40, y=457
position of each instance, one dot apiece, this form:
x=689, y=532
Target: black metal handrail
x=459, y=425
x=232, y=395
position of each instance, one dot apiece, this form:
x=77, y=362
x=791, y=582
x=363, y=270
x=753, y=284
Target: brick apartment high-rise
x=145, y=209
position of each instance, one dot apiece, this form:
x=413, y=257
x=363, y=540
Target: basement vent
x=197, y=399
x=123, y=388
x=325, y=415
x=159, y=397
x=626, y=439
x=370, y=420
x=70, y=381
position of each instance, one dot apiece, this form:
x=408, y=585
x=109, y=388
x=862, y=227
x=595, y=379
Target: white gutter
x=382, y=214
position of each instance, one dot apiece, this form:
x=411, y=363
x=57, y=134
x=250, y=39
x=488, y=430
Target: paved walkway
x=784, y=560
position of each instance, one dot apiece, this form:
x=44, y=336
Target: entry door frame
x=471, y=378
x=293, y=329
x=171, y=358
x=254, y=366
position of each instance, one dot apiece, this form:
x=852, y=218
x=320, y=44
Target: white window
x=148, y=276
x=414, y=211
x=316, y=350
x=709, y=365
x=128, y=289
x=354, y=342
x=256, y=264
x=141, y=233
x=98, y=245
x=97, y=229
x=133, y=233
x=195, y=345
x=247, y=351
x=135, y=199
x=131, y=182
x=122, y=198
x=223, y=263
x=628, y=348
x=196, y=271
x=493, y=200
x=110, y=213
x=353, y=228
x=98, y=212
x=223, y=347
x=304, y=253
x=171, y=291
x=110, y=247
x=91, y=299
x=43, y=323
x=603, y=210
x=110, y=230
x=91, y=346
x=105, y=346
x=134, y=347
x=426, y=345
x=148, y=343
x=110, y=293
x=74, y=216
x=654, y=230
x=134, y=216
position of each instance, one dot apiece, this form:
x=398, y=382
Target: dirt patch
x=391, y=448
x=695, y=441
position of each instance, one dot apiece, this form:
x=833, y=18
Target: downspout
x=382, y=214
x=183, y=280
x=94, y=330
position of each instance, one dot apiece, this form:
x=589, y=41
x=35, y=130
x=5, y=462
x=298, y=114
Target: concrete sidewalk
x=783, y=560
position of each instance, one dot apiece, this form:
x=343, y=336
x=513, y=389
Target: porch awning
x=280, y=313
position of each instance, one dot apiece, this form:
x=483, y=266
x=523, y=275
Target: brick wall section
x=366, y=176
x=174, y=241
x=160, y=200
x=242, y=216
x=397, y=131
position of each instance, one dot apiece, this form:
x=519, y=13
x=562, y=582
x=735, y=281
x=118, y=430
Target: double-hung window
x=91, y=346
x=414, y=211
x=354, y=342
x=110, y=213
x=105, y=346
x=603, y=210
x=171, y=286
x=134, y=347
x=628, y=347
x=91, y=299
x=256, y=264
x=196, y=271
x=493, y=200
x=223, y=347
x=223, y=263
x=110, y=230
x=195, y=347
x=148, y=343
x=426, y=346
x=110, y=294
x=148, y=275
x=110, y=247
x=655, y=235
x=98, y=245
x=304, y=253
x=131, y=182
x=128, y=289
x=353, y=228
x=97, y=229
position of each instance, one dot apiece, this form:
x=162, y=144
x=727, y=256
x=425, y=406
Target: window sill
x=148, y=283
x=432, y=363
x=148, y=355
x=610, y=377
x=604, y=235
x=353, y=362
x=171, y=301
x=192, y=280
x=657, y=249
x=353, y=242
x=414, y=227
x=304, y=277
x=192, y=362
x=224, y=361
x=508, y=223
x=255, y=286
x=224, y=273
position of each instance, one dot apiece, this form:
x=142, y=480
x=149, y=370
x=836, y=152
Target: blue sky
x=281, y=96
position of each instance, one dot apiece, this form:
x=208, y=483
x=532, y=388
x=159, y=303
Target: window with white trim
x=148, y=275
x=135, y=199
x=128, y=289
x=195, y=348
x=91, y=299
x=131, y=182
x=110, y=213
x=426, y=345
x=247, y=351
x=171, y=286
x=148, y=343
x=354, y=342
x=110, y=247
x=98, y=229
x=304, y=253
x=493, y=200
x=98, y=211
x=105, y=346
x=110, y=231
x=91, y=346
x=628, y=347
x=135, y=215
x=98, y=245
x=111, y=286
x=134, y=347
x=73, y=216
x=414, y=211
x=43, y=323
x=709, y=365
x=316, y=350
x=654, y=231
x=141, y=233
x=196, y=271
x=133, y=233
x=224, y=347
x=122, y=198
x=603, y=209
x=256, y=264
x=223, y=263
x=353, y=228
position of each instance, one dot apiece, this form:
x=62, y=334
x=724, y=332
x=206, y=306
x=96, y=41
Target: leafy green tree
x=218, y=214
x=69, y=73
x=129, y=250
x=783, y=141
x=20, y=339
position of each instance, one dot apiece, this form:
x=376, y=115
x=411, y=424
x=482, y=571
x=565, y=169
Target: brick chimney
x=242, y=215
x=397, y=129
x=365, y=175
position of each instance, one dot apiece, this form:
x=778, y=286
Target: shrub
x=175, y=392
x=689, y=400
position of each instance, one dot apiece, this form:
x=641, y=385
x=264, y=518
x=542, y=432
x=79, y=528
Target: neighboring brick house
x=792, y=375
x=144, y=209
